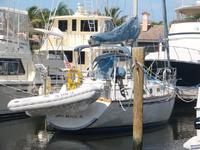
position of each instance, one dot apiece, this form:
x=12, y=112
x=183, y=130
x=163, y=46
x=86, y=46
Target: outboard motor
x=194, y=142
x=120, y=75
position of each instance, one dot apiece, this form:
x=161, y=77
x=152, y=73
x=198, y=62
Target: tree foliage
x=156, y=23
x=115, y=12
x=39, y=17
x=63, y=10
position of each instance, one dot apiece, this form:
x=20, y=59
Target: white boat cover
x=67, y=101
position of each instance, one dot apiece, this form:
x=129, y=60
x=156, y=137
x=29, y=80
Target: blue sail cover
x=128, y=31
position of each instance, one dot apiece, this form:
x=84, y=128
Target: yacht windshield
x=103, y=67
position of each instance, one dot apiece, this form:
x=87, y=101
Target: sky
x=154, y=7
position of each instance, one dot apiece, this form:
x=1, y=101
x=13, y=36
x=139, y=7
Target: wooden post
x=45, y=85
x=138, y=58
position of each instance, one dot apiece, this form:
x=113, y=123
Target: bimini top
x=128, y=31
x=192, y=10
x=112, y=55
x=13, y=10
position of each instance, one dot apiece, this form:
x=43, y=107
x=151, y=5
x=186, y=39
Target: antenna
x=182, y=1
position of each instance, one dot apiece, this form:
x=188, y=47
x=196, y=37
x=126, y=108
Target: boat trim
x=182, y=33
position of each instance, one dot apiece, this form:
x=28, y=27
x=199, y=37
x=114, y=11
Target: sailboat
x=114, y=109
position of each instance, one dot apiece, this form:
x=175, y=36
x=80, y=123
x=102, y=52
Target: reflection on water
x=153, y=137
x=21, y=135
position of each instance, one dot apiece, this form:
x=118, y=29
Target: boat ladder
x=88, y=4
x=91, y=24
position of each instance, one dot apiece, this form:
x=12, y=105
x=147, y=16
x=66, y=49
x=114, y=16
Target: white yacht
x=184, y=49
x=17, y=71
x=67, y=32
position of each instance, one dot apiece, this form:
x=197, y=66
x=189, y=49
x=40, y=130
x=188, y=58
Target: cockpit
x=104, y=65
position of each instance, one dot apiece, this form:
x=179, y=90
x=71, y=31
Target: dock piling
x=138, y=58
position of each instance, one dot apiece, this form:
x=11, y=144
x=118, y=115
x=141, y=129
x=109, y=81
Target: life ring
x=74, y=78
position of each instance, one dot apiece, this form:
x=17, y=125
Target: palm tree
x=114, y=12
x=63, y=10
x=38, y=17
x=156, y=23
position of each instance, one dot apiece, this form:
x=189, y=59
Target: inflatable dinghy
x=52, y=104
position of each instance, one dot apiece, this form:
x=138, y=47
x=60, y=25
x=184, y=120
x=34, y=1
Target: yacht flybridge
x=67, y=32
x=184, y=49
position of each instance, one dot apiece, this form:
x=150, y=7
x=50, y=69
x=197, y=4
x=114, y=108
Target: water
x=22, y=135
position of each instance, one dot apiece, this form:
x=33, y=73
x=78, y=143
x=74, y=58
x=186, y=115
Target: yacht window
x=69, y=55
x=11, y=67
x=81, y=58
x=56, y=77
x=89, y=25
x=55, y=55
x=74, y=25
x=62, y=25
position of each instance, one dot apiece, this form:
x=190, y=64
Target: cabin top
x=82, y=21
x=82, y=13
x=189, y=10
x=81, y=16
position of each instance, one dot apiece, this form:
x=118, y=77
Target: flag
x=66, y=62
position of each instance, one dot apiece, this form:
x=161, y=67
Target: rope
x=120, y=103
x=130, y=101
x=180, y=96
x=184, y=100
x=16, y=89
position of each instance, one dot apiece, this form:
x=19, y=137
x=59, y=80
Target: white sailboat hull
x=156, y=110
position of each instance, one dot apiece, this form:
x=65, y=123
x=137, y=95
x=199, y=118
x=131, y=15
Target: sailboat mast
x=135, y=8
x=166, y=32
x=107, y=5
